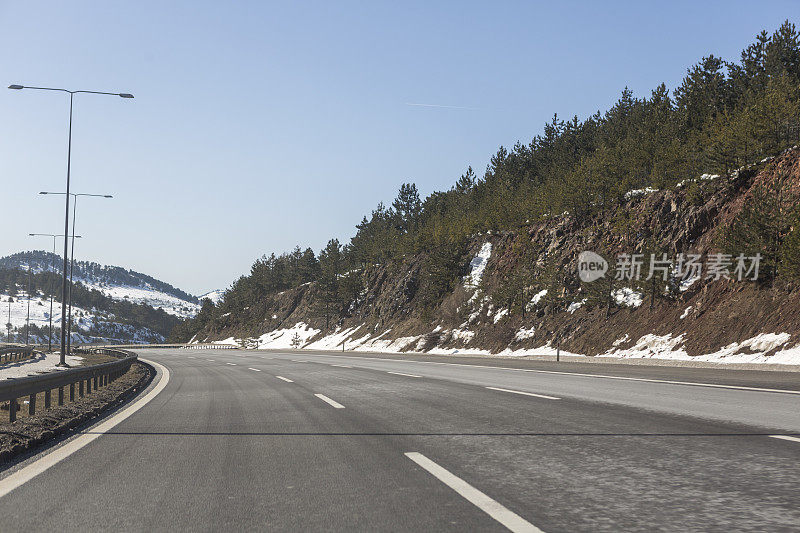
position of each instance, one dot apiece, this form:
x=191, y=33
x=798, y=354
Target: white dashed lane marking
x=402, y=374
x=496, y=510
x=330, y=402
x=786, y=437
x=524, y=393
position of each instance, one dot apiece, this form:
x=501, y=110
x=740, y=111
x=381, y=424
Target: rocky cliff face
x=494, y=308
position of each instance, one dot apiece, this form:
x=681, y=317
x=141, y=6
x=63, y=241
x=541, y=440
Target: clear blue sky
x=257, y=126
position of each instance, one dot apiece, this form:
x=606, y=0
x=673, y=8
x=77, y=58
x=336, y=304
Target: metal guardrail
x=196, y=346
x=15, y=353
x=210, y=346
x=86, y=378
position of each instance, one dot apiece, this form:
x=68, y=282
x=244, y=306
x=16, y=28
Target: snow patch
x=574, y=306
x=627, y=297
x=500, y=314
x=477, y=266
x=538, y=296
x=523, y=334
x=687, y=283
x=283, y=338
x=639, y=192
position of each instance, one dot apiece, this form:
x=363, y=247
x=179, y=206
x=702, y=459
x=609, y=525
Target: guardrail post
x=61, y=396
x=89, y=386
x=12, y=410
x=80, y=388
x=32, y=404
x=47, y=399
x=95, y=382
x=72, y=392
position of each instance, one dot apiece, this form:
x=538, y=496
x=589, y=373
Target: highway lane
x=254, y=440
x=618, y=384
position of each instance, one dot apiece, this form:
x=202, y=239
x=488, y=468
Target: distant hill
x=113, y=281
x=110, y=303
x=215, y=296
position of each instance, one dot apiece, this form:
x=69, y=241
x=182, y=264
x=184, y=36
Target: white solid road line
x=327, y=400
x=525, y=393
x=58, y=454
x=401, y=374
x=340, y=366
x=232, y=364
x=253, y=369
x=502, y=514
x=580, y=374
x=287, y=380
x=298, y=361
x=786, y=437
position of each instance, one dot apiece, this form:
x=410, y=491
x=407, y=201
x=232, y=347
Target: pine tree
x=407, y=207
x=762, y=226
x=330, y=262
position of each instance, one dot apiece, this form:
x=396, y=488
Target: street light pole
x=71, y=266
x=62, y=358
x=54, y=236
x=72, y=256
x=28, y=318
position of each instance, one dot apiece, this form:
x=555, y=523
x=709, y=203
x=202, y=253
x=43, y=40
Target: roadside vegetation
x=724, y=117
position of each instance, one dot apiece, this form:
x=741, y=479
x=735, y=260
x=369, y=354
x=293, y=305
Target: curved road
x=298, y=441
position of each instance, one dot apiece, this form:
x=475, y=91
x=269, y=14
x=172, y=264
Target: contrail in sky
x=442, y=106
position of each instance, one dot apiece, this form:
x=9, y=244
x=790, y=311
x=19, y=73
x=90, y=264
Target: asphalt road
x=296, y=441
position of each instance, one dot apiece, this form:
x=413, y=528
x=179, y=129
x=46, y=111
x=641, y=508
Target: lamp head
x=16, y=87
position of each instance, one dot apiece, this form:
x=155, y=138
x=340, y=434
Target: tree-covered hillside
x=44, y=284
x=724, y=116
x=97, y=273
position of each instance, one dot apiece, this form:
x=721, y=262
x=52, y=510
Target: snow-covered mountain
x=113, y=281
x=112, y=315
x=215, y=296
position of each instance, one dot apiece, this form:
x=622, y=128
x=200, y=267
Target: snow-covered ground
x=154, y=298
x=103, y=326
x=40, y=364
x=785, y=350
x=283, y=338
x=17, y=312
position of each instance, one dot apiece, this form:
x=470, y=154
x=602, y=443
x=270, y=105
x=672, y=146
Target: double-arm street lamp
x=72, y=256
x=54, y=236
x=62, y=358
